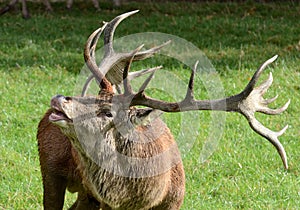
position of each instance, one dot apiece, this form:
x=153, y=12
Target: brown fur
x=64, y=164
x=59, y=167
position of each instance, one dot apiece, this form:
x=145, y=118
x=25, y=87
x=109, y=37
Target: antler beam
x=249, y=101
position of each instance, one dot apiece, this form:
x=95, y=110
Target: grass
x=42, y=56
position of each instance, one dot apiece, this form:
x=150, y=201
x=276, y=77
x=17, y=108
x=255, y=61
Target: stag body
x=117, y=156
x=164, y=188
x=111, y=179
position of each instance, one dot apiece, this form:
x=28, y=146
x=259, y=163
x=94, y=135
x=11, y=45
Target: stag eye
x=108, y=114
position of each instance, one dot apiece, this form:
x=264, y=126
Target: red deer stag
x=119, y=156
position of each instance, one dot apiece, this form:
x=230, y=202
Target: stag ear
x=143, y=117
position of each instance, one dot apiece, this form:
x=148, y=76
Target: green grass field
x=42, y=57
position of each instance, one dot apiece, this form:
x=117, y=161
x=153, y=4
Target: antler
x=113, y=64
x=89, y=57
x=247, y=102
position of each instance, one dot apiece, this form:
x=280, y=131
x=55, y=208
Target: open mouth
x=57, y=115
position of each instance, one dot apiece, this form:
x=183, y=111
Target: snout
x=58, y=101
x=61, y=109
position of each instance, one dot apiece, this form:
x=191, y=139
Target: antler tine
x=145, y=84
x=95, y=39
x=270, y=100
x=126, y=83
x=132, y=75
x=270, y=135
x=270, y=111
x=257, y=74
x=147, y=81
x=109, y=33
x=190, y=91
x=148, y=53
x=89, y=56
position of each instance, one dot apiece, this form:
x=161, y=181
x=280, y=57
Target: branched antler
x=113, y=64
x=255, y=102
x=249, y=101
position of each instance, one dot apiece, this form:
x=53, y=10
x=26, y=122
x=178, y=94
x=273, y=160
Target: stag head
x=110, y=116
